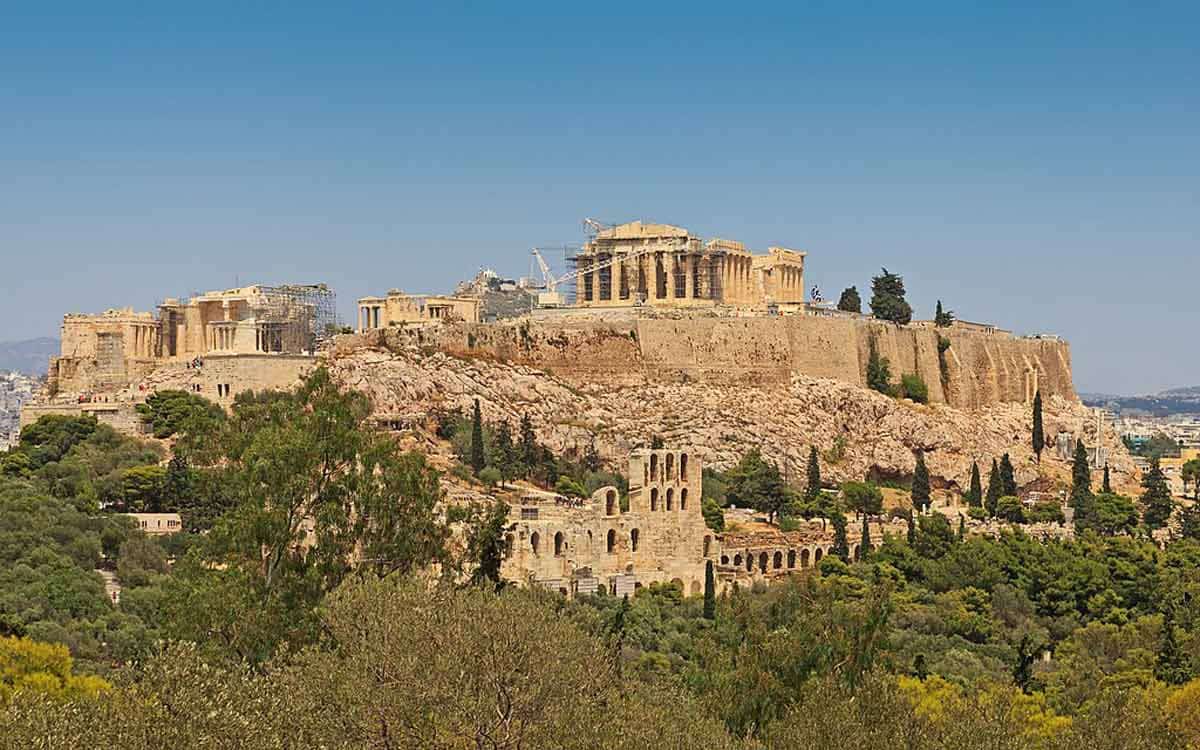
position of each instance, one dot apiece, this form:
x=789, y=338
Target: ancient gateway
x=590, y=545
x=660, y=264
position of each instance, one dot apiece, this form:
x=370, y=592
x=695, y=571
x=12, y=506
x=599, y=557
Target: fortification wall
x=977, y=370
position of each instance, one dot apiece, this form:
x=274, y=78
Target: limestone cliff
x=979, y=368
x=574, y=397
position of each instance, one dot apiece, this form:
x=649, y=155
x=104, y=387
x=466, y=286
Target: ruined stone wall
x=980, y=369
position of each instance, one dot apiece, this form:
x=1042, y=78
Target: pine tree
x=1008, y=481
x=841, y=545
x=477, y=457
x=864, y=545
x=850, y=301
x=887, y=298
x=1039, y=433
x=505, y=458
x=994, y=490
x=975, y=494
x=529, y=446
x=710, y=592
x=1106, y=487
x=920, y=484
x=813, y=491
x=1157, y=503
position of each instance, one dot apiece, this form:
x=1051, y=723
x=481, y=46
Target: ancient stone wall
x=978, y=369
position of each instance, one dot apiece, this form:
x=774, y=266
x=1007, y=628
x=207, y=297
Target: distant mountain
x=1163, y=404
x=31, y=357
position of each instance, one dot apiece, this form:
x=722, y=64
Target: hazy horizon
x=1031, y=167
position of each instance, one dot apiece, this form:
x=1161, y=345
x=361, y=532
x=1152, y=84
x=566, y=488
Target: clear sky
x=1036, y=167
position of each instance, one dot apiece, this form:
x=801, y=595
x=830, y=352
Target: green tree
x=478, y=460
x=841, y=543
x=812, y=491
x=529, y=446
x=1157, y=503
x=756, y=483
x=920, y=484
x=863, y=498
x=864, y=545
x=975, y=493
x=994, y=491
x=850, y=301
x=943, y=318
x=1008, y=481
x=710, y=592
x=1039, y=432
x=879, y=375
x=887, y=298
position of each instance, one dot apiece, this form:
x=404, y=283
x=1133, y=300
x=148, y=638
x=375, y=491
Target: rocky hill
x=857, y=430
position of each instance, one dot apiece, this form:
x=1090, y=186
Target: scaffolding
x=297, y=316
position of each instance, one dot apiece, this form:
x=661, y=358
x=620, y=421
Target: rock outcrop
x=858, y=431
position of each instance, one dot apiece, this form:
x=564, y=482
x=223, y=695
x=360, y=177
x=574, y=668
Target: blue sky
x=1036, y=167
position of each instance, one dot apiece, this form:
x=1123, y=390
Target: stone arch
x=653, y=498
x=560, y=544
x=670, y=467
x=653, y=467
x=670, y=498
x=683, y=461
x=535, y=541
x=612, y=541
x=818, y=555
x=683, y=499
x=611, y=503
x=805, y=557
x=762, y=562
x=737, y=560
x=777, y=562
x=707, y=545
x=633, y=540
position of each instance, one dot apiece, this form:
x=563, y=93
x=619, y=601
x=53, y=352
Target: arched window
x=762, y=561
x=791, y=558
x=653, y=498
x=670, y=467
x=653, y=467
x=559, y=544
x=534, y=542
x=633, y=540
x=610, y=503
x=670, y=498
x=683, y=499
x=612, y=541
x=778, y=560
x=683, y=467
x=707, y=545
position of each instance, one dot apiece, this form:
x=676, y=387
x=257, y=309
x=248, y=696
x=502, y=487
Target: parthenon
x=660, y=264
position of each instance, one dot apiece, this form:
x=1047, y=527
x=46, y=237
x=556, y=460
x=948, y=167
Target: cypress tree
x=920, y=484
x=1157, y=503
x=1039, y=433
x=710, y=592
x=994, y=490
x=477, y=457
x=1106, y=487
x=813, y=491
x=1008, y=482
x=841, y=545
x=864, y=544
x=975, y=494
x=529, y=446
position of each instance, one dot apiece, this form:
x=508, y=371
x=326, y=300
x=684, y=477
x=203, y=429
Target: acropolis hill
x=704, y=342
